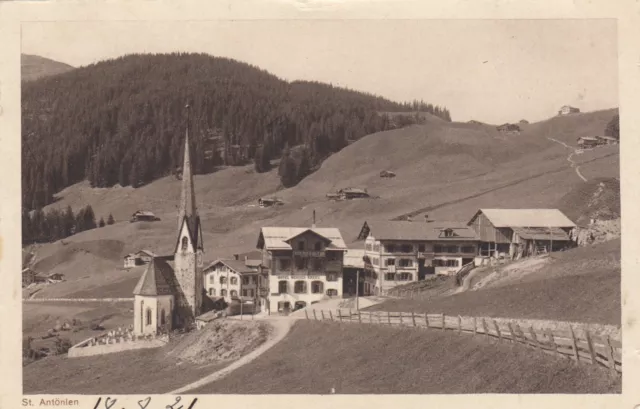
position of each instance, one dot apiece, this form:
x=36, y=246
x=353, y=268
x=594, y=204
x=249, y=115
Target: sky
x=493, y=71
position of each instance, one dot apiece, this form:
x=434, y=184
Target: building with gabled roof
x=303, y=265
x=233, y=279
x=399, y=252
x=521, y=232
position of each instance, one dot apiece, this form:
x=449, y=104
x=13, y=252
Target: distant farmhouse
x=567, y=110
x=29, y=277
x=143, y=216
x=508, y=128
x=517, y=233
x=387, y=174
x=269, y=201
x=139, y=258
x=349, y=193
x=593, y=141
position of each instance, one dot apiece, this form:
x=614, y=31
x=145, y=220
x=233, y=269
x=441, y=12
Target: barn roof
x=406, y=230
x=526, y=218
x=274, y=238
x=155, y=279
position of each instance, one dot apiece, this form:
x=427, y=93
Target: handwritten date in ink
x=111, y=403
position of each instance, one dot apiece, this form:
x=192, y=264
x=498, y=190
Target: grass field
x=581, y=284
x=353, y=358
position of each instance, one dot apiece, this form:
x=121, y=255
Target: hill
x=122, y=121
x=358, y=358
x=34, y=67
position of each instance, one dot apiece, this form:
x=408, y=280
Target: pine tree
x=101, y=223
x=287, y=171
x=304, y=167
x=69, y=222
x=110, y=220
x=89, y=218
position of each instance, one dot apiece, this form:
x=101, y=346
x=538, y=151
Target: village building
x=399, y=252
x=567, y=110
x=349, y=193
x=269, y=201
x=55, y=277
x=304, y=265
x=138, y=258
x=508, y=128
x=608, y=140
x=235, y=280
x=143, y=216
x=387, y=174
x=588, y=141
x=168, y=296
x=516, y=233
x=354, y=271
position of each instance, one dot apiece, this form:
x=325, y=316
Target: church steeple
x=188, y=210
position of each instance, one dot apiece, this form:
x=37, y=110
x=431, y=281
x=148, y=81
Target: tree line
x=41, y=227
x=123, y=121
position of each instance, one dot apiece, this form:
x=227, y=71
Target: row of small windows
x=233, y=294
x=300, y=287
x=234, y=280
x=398, y=277
x=409, y=248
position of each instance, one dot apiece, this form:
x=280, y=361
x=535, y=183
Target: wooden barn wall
x=487, y=232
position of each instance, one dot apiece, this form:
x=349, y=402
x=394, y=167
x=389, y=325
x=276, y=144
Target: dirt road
x=570, y=158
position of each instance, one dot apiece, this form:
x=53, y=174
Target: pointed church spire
x=188, y=209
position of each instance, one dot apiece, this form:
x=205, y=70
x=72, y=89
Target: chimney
x=313, y=225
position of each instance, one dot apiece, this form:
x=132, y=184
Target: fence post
x=331, y=315
x=553, y=341
x=306, y=313
x=534, y=337
x=340, y=314
x=513, y=335
x=413, y=318
x=475, y=327
x=314, y=315
x=495, y=324
x=574, y=344
x=590, y=345
x=443, y=322
x=485, y=327
x=459, y=325
x=609, y=349
x=426, y=319
x=322, y=313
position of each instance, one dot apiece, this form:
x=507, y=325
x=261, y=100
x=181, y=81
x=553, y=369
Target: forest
x=41, y=227
x=123, y=121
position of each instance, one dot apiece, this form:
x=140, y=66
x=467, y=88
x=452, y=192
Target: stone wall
x=115, y=341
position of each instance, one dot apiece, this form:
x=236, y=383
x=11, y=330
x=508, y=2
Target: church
x=168, y=297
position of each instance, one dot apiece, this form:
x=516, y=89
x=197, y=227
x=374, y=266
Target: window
x=437, y=248
x=284, y=305
x=390, y=248
x=162, y=317
x=406, y=248
x=375, y=261
x=212, y=291
x=234, y=294
x=211, y=278
x=245, y=280
x=223, y=293
x=300, y=287
x=405, y=262
x=252, y=293
x=301, y=245
x=333, y=255
x=317, y=264
x=405, y=276
x=452, y=249
x=376, y=248
x=390, y=262
x=234, y=280
x=332, y=277
x=448, y=233
x=244, y=293
x=445, y=263
x=421, y=248
x=368, y=247
x=467, y=249
x=285, y=264
x=301, y=263
x=148, y=316
x=185, y=243
x=223, y=280
x=318, y=246
x=317, y=287
x=332, y=292
x=282, y=287
x=390, y=276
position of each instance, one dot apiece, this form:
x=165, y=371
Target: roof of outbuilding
x=407, y=230
x=526, y=218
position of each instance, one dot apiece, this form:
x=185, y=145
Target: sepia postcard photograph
x=319, y=207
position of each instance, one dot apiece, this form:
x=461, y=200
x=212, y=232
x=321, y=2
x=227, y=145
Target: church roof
x=155, y=279
x=188, y=210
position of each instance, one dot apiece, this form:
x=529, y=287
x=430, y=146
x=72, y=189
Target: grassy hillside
x=360, y=359
x=447, y=170
x=34, y=67
x=581, y=284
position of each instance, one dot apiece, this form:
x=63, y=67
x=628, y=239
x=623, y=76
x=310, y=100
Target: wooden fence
x=580, y=346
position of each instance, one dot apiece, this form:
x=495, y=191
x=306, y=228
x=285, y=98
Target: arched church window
x=185, y=243
x=148, y=316
x=162, y=317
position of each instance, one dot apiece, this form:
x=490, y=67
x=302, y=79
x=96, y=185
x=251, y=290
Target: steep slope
x=34, y=67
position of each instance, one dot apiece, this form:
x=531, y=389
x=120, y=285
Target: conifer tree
x=101, y=222
x=110, y=220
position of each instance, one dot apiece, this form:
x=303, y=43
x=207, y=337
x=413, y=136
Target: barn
x=516, y=233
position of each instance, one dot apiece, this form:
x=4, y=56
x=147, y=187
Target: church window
x=185, y=243
x=223, y=280
x=234, y=294
x=300, y=287
x=234, y=280
x=162, y=317
x=148, y=316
